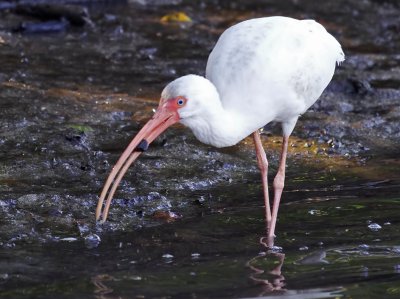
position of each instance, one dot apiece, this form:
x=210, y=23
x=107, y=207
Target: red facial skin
x=175, y=103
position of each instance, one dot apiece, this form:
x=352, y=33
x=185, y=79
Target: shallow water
x=187, y=220
x=330, y=248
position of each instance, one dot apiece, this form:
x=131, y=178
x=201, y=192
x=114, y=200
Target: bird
x=261, y=70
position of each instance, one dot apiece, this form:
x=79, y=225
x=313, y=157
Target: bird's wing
x=283, y=63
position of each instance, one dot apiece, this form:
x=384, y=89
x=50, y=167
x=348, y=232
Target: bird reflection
x=101, y=290
x=267, y=269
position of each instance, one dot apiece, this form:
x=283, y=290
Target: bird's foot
x=268, y=241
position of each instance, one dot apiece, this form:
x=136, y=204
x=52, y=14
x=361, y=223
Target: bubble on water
x=195, y=255
x=168, y=258
x=365, y=271
x=374, y=226
x=303, y=248
x=4, y=276
x=69, y=239
x=136, y=277
x=92, y=241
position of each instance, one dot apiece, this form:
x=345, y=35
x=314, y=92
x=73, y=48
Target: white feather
x=260, y=70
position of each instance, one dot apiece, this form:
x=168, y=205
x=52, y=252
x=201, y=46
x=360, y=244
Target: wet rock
x=345, y=107
x=92, y=241
x=28, y=200
x=276, y=249
x=42, y=27
x=340, y=86
x=74, y=15
x=147, y=53
x=167, y=216
x=362, y=86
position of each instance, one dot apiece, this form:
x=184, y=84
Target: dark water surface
x=187, y=221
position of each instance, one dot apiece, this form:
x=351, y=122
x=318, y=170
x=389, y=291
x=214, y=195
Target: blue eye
x=180, y=102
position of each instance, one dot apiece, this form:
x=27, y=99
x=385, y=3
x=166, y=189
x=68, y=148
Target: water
x=328, y=248
x=187, y=221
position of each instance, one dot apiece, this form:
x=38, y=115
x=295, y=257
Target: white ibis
x=260, y=70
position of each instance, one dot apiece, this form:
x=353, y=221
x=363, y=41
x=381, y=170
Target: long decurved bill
x=162, y=119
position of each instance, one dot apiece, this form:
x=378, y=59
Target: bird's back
x=273, y=68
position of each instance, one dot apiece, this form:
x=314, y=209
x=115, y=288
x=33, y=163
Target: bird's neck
x=218, y=126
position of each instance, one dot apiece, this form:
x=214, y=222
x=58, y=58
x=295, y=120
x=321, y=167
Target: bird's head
x=190, y=96
x=183, y=100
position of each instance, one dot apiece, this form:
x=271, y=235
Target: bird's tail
x=340, y=58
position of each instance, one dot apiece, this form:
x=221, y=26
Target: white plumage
x=266, y=69
x=260, y=70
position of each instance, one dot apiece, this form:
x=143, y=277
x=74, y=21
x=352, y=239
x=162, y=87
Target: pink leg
x=263, y=165
x=279, y=183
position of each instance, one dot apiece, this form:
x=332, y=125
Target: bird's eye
x=180, y=102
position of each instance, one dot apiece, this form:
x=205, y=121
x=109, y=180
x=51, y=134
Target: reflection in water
x=277, y=281
x=270, y=264
x=100, y=288
x=314, y=258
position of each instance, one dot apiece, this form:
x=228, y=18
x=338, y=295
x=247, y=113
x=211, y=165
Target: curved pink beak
x=161, y=120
